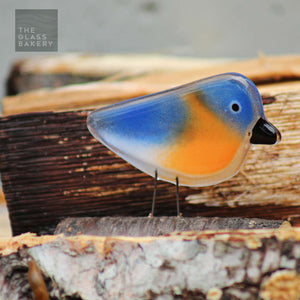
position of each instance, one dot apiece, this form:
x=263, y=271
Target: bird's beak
x=265, y=133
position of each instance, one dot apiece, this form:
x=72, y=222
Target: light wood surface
x=260, y=70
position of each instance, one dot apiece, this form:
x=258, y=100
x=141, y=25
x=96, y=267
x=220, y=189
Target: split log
x=261, y=70
x=156, y=226
x=54, y=71
x=53, y=168
x=248, y=265
x=93, y=95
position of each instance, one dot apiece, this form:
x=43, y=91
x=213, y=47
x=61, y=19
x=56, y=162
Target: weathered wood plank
x=248, y=265
x=52, y=167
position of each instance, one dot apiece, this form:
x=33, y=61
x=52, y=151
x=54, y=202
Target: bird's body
x=199, y=133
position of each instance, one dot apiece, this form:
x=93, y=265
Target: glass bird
x=197, y=134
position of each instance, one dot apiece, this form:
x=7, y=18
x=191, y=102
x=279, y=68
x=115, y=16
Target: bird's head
x=236, y=100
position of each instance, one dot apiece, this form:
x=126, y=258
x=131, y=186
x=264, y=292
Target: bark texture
x=244, y=265
x=156, y=226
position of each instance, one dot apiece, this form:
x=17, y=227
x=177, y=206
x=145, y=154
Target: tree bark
x=156, y=226
x=256, y=264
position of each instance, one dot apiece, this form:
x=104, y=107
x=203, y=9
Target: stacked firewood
x=53, y=170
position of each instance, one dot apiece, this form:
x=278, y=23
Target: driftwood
x=261, y=70
x=248, y=265
x=156, y=226
x=53, y=168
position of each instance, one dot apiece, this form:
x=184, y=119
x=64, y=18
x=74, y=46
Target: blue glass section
x=156, y=121
x=221, y=94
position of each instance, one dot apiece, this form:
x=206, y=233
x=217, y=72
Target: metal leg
x=154, y=195
x=177, y=196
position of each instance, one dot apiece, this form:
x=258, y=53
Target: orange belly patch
x=206, y=146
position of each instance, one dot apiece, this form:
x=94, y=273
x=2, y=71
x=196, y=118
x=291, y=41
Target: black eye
x=235, y=107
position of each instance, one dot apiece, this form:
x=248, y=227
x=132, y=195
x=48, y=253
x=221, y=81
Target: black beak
x=265, y=133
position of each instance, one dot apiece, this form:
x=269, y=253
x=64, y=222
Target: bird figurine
x=197, y=134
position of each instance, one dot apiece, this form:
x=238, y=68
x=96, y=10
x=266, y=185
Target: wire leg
x=154, y=195
x=177, y=196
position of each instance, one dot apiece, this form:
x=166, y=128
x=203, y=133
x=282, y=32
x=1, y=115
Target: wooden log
x=156, y=226
x=55, y=71
x=261, y=70
x=243, y=264
x=77, y=96
x=19, y=82
x=53, y=168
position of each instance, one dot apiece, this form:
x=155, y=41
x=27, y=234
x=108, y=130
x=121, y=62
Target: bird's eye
x=235, y=107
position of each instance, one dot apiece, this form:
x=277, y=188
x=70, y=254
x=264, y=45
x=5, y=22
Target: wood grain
x=76, y=96
x=139, y=80
x=52, y=167
x=55, y=71
x=261, y=70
